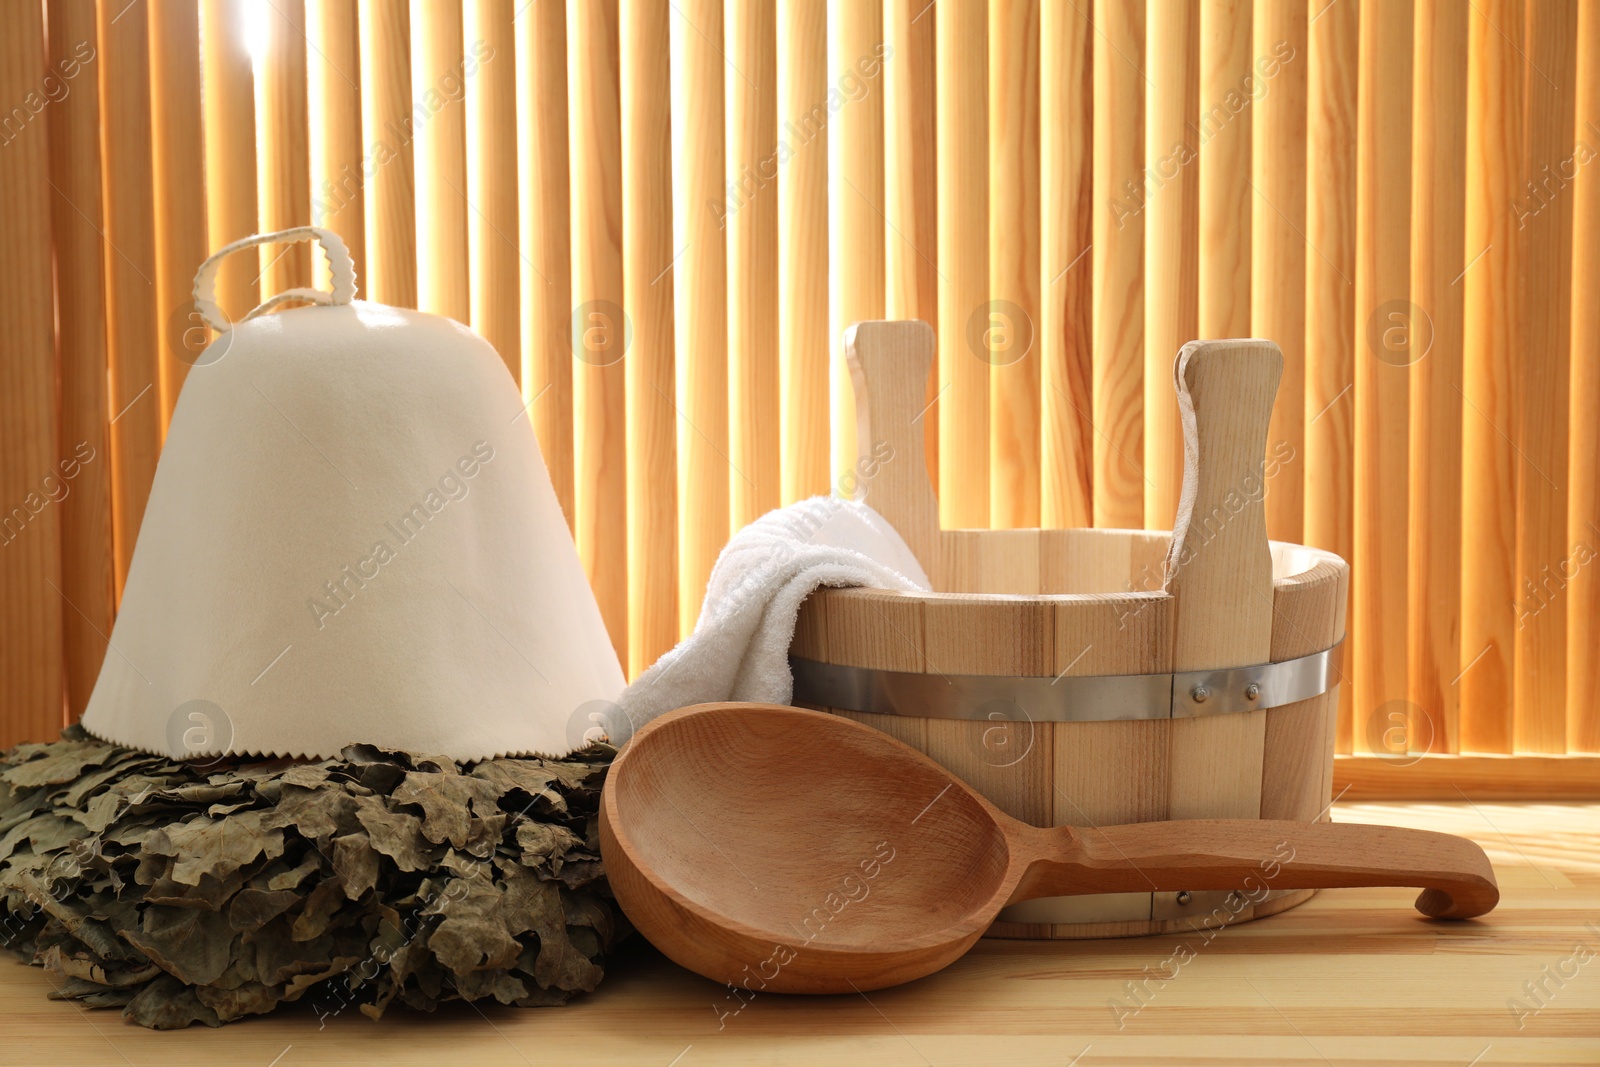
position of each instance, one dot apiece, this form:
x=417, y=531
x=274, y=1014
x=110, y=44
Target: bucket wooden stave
x=1092, y=604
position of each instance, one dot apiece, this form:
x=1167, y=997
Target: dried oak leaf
x=215, y=846
x=395, y=834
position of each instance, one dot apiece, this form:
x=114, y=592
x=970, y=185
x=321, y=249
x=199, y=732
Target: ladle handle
x=1254, y=857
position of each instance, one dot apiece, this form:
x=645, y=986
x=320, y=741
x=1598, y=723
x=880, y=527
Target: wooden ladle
x=792, y=851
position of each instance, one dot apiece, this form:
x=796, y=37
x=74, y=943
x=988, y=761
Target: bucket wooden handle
x=1219, y=568
x=889, y=366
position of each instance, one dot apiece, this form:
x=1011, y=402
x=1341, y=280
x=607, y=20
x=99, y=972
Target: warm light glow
x=256, y=30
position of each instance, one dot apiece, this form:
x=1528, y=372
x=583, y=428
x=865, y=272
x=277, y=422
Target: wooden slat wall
x=1399, y=192
x=600, y=329
x=648, y=287
x=87, y=552
x=31, y=674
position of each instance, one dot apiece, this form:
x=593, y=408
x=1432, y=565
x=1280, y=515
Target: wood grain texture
x=1118, y=261
x=910, y=177
x=495, y=266
x=1297, y=753
x=1351, y=975
x=1544, y=220
x=1170, y=204
x=804, y=346
x=389, y=192
x=76, y=222
x=545, y=224
x=963, y=375
x=601, y=333
x=856, y=233
x=177, y=159
x=1494, y=337
x=1066, y=278
x=338, y=153
x=795, y=793
x=1279, y=174
x=1382, y=355
x=1219, y=568
x=1438, y=256
x=31, y=678
x=648, y=288
x=132, y=317
x=1011, y=328
x=283, y=162
x=1331, y=100
x=229, y=111
x=438, y=81
x=1443, y=776
x=701, y=280
x=1583, y=449
x=750, y=220
x=1225, y=121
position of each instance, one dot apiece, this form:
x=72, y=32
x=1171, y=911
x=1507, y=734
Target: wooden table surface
x=1352, y=977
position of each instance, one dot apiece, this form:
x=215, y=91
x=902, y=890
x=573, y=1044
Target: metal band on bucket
x=1076, y=698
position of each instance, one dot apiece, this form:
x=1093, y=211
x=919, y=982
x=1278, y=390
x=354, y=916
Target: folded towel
x=739, y=649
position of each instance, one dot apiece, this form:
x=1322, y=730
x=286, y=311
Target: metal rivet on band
x=1252, y=691
x=1200, y=693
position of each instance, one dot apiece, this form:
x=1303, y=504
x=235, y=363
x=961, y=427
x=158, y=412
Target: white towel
x=739, y=649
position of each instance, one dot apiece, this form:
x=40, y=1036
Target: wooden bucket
x=1091, y=677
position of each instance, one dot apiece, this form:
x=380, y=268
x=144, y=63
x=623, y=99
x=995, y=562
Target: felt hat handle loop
x=339, y=265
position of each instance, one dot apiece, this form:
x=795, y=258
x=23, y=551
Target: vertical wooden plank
x=963, y=194
x=492, y=180
x=909, y=166
x=87, y=550
x=700, y=299
x=1171, y=207
x=1544, y=218
x=390, y=190
x=1220, y=574
x=1438, y=256
x=546, y=225
x=647, y=252
x=1278, y=249
x=1066, y=278
x=600, y=330
x=1118, y=257
x=750, y=216
x=1583, y=446
x=339, y=158
x=996, y=748
x=438, y=82
x=856, y=228
x=803, y=341
x=130, y=268
x=1331, y=98
x=1494, y=339
x=1383, y=231
x=30, y=479
x=284, y=165
x=1225, y=195
x=1010, y=335
x=229, y=110
x=178, y=161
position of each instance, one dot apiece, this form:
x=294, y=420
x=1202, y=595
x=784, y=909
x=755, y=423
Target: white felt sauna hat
x=351, y=537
